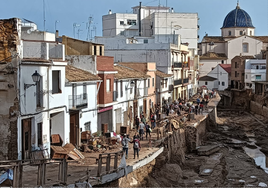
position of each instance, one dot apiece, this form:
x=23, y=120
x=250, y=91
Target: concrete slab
x=207, y=150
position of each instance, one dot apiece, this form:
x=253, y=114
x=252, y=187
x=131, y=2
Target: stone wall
x=258, y=109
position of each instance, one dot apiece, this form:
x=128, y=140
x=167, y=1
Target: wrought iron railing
x=78, y=101
x=177, y=82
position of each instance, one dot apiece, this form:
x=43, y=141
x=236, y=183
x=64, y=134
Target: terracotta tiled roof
x=125, y=72
x=162, y=75
x=226, y=67
x=213, y=55
x=213, y=39
x=207, y=78
x=137, y=66
x=244, y=57
x=74, y=74
x=261, y=38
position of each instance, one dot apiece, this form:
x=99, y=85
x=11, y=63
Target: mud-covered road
x=240, y=161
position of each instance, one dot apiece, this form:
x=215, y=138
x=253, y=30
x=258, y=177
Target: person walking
x=148, y=130
x=137, y=122
x=196, y=109
x=201, y=108
x=152, y=121
x=125, y=141
x=141, y=129
x=136, y=146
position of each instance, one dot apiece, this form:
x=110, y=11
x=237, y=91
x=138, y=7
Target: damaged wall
x=9, y=111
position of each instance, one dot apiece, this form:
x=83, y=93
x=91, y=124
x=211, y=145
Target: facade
x=237, y=38
x=222, y=73
x=139, y=37
x=129, y=94
x=255, y=71
x=209, y=82
x=238, y=71
x=81, y=96
x=149, y=86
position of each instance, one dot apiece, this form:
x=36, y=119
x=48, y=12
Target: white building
x=222, y=73
x=209, y=82
x=81, y=97
x=43, y=110
x=255, y=71
x=237, y=38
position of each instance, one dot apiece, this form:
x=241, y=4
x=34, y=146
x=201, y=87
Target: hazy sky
x=68, y=12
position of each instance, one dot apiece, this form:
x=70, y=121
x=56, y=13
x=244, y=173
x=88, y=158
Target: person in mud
x=153, y=120
x=137, y=122
x=201, y=108
x=167, y=111
x=136, y=146
x=196, y=109
x=143, y=120
x=125, y=142
x=148, y=129
x=141, y=129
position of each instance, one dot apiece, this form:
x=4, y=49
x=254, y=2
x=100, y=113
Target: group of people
x=136, y=145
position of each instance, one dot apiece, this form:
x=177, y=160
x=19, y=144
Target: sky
x=64, y=13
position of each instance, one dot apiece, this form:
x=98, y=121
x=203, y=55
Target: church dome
x=237, y=18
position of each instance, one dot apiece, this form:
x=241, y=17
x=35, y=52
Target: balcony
x=177, y=65
x=185, y=81
x=170, y=88
x=185, y=66
x=177, y=82
x=146, y=91
x=78, y=101
x=115, y=95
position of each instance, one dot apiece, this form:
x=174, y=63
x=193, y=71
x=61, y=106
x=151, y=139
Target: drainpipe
x=140, y=20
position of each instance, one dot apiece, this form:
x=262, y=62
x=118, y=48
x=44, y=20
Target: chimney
x=266, y=64
x=57, y=34
x=110, y=12
x=140, y=20
x=172, y=10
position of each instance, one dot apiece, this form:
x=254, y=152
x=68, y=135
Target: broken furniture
x=85, y=136
x=56, y=140
x=67, y=151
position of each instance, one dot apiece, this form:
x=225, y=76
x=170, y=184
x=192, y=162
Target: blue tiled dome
x=237, y=18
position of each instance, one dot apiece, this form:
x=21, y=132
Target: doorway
x=26, y=138
x=74, y=129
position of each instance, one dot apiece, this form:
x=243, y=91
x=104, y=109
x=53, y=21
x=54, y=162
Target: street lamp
x=36, y=77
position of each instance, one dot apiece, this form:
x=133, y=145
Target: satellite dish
x=29, y=31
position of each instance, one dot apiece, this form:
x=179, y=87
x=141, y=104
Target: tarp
x=8, y=175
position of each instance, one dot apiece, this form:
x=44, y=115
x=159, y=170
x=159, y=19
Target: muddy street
x=236, y=156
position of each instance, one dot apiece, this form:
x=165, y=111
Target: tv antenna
x=44, y=15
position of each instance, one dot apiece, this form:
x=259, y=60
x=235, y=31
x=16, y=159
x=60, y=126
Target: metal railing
x=185, y=65
x=78, y=101
x=186, y=80
x=177, y=65
x=177, y=82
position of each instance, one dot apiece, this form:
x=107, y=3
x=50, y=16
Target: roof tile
x=74, y=74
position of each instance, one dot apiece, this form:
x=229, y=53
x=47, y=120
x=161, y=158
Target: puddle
x=206, y=171
x=262, y=184
x=259, y=157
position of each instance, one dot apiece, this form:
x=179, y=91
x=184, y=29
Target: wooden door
x=74, y=129
x=26, y=138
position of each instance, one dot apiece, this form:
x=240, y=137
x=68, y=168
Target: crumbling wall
x=9, y=111
x=242, y=99
x=258, y=109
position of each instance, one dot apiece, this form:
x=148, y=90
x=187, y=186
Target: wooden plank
x=108, y=162
x=99, y=165
x=20, y=174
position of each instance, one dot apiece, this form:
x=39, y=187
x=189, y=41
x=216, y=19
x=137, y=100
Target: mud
x=240, y=161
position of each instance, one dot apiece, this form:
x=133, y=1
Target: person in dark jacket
x=125, y=144
x=136, y=146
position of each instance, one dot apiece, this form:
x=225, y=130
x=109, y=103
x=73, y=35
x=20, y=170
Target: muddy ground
x=240, y=161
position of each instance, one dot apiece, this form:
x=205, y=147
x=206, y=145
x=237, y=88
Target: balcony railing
x=177, y=65
x=185, y=80
x=185, y=65
x=170, y=88
x=146, y=91
x=115, y=95
x=78, y=101
x=177, y=82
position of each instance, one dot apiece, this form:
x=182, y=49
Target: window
x=241, y=32
x=121, y=88
x=131, y=22
x=145, y=41
x=122, y=23
x=229, y=33
x=84, y=91
x=87, y=126
x=100, y=50
x=236, y=65
x=108, y=85
x=246, y=76
x=95, y=50
x=243, y=74
x=257, y=67
x=122, y=33
x=40, y=133
x=235, y=74
x=56, y=82
x=245, y=47
x=250, y=33
x=206, y=83
x=39, y=93
x=219, y=83
x=258, y=77
x=220, y=73
x=153, y=82
x=148, y=82
x=222, y=83
x=222, y=61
